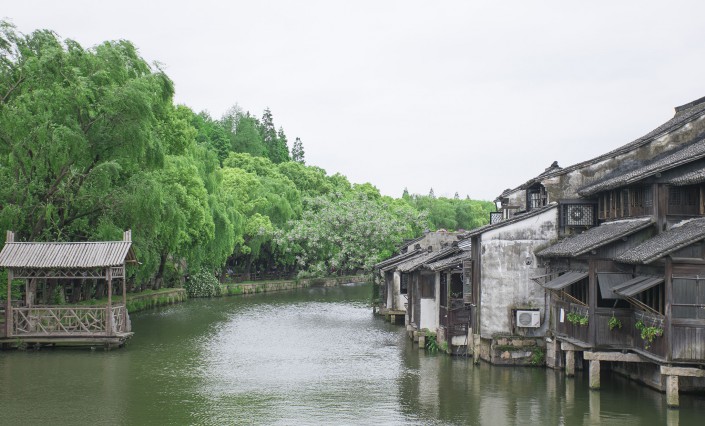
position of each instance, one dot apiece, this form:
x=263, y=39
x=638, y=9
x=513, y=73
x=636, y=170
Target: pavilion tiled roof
x=55, y=255
x=637, y=172
x=595, y=237
x=680, y=235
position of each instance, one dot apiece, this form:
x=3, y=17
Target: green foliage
x=347, y=232
x=431, y=342
x=17, y=286
x=648, y=333
x=614, y=322
x=202, y=284
x=451, y=213
x=91, y=144
x=538, y=356
x=297, y=152
x=577, y=319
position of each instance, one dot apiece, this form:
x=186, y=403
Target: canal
x=311, y=356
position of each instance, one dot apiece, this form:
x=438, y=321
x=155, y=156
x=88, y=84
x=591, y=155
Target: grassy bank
x=166, y=296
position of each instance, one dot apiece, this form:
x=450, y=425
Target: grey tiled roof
x=672, y=159
x=679, y=236
x=550, y=170
x=684, y=114
x=515, y=219
x=399, y=260
x=396, y=259
x=417, y=262
x=448, y=262
x=689, y=175
x=595, y=237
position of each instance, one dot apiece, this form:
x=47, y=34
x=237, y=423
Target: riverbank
x=252, y=287
x=149, y=299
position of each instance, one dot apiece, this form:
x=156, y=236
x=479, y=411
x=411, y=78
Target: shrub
x=202, y=284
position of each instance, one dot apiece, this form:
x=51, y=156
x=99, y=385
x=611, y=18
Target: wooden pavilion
x=26, y=322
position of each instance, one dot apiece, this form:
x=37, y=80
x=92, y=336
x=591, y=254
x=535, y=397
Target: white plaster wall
x=390, y=292
x=437, y=304
x=398, y=299
x=428, y=315
x=507, y=263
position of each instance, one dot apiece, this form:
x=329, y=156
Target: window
x=684, y=200
x=456, y=286
x=404, y=285
x=581, y=215
x=536, y=197
x=688, y=298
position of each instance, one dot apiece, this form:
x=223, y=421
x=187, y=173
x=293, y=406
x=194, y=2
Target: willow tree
x=75, y=125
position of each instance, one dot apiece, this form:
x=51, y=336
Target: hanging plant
x=648, y=334
x=614, y=322
x=577, y=319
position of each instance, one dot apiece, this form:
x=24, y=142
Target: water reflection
x=314, y=356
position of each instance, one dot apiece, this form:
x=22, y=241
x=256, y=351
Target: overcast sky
x=464, y=96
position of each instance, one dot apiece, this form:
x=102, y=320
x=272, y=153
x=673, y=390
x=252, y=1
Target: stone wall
x=515, y=350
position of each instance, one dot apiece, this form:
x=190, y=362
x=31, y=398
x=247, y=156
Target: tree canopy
x=93, y=144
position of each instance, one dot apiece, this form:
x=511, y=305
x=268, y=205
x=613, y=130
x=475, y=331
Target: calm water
x=314, y=356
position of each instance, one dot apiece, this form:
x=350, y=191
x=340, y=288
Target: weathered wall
x=507, y=264
x=565, y=186
x=437, y=239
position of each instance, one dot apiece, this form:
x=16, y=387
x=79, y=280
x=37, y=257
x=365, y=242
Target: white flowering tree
x=341, y=233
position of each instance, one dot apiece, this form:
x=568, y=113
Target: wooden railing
x=658, y=345
x=68, y=321
x=618, y=337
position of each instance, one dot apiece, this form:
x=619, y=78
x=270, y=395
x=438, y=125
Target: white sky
x=464, y=96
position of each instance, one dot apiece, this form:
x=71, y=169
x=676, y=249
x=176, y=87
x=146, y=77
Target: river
x=311, y=356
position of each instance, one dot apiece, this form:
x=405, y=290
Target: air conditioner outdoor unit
x=528, y=319
x=579, y=215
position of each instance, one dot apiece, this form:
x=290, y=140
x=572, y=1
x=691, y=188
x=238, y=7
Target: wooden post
x=9, y=238
x=594, y=374
x=592, y=301
x=109, y=308
x=668, y=327
x=8, y=305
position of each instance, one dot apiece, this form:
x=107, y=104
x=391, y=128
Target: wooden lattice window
x=641, y=201
x=688, y=298
x=536, y=197
x=684, y=200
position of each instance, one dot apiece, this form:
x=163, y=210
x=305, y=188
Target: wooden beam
x=682, y=371
x=611, y=356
